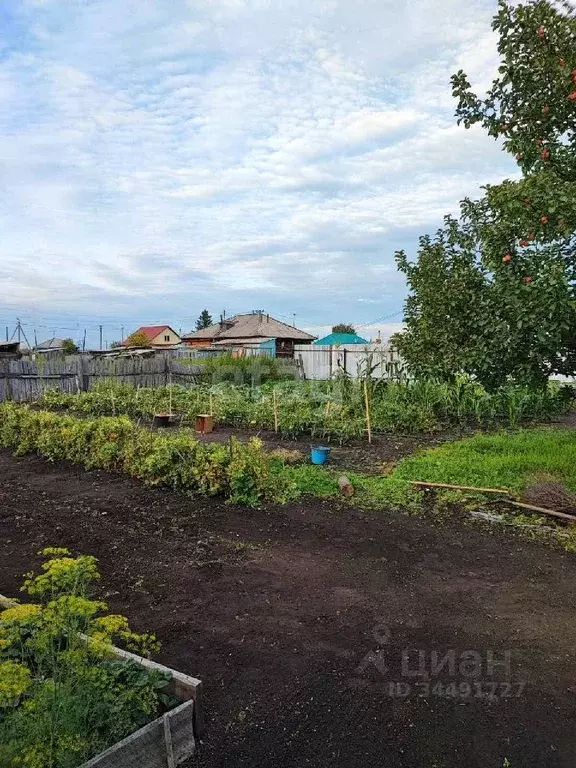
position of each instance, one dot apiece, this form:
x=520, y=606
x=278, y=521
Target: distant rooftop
x=53, y=343
x=253, y=325
x=334, y=339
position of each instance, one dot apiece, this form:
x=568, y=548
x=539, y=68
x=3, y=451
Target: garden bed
x=167, y=741
x=339, y=410
x=276, y=609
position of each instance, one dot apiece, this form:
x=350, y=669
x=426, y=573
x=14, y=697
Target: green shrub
x=241, y=472
x=255, y=369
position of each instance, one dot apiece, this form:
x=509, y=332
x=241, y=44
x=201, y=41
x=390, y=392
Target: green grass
x=369, y=490
x=309, y=480
x=504, y=460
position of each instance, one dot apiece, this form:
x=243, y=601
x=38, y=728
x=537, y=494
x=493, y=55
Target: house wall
x=162, y=341
x=285, y=347
x=198, y=343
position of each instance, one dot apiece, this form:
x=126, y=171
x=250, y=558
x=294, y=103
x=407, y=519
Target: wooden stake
x=275, y=403
x=543, y=511
x=501, y=491
x=368, y=421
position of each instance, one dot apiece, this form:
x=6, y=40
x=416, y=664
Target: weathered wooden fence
x=26, y=380
x=318, y=361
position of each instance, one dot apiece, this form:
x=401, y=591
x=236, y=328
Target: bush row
x=239, y=471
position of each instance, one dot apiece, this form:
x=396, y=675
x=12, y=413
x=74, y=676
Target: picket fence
x=26, y=380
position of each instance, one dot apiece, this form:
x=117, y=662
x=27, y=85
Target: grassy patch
x=309, y=480
x=505, y=460
x=389, y=492
x=369, y=490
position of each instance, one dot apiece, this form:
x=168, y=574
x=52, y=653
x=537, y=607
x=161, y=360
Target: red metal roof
x=152, y=330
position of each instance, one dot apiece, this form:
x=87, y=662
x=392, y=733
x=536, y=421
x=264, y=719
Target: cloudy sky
x=162, y=156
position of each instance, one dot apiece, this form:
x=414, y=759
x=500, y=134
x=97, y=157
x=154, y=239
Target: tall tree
x=204, y=321
x=519, y=240
x=343, y=328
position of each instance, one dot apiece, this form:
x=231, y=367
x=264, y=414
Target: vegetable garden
x=338, y=410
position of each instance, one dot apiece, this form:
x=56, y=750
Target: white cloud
x=162, y=157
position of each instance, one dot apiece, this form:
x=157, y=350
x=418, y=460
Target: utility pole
x=21, y=333
x=35, y=338
x=100, y=337
x=6, y=333
x=84, y=341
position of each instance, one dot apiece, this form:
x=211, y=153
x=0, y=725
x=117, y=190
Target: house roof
x=248, y=340
x=250, y=326
x=53, y=343
x=341, y=338
x=152, y=331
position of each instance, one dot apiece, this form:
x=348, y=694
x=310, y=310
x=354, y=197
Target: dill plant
x=62, y=699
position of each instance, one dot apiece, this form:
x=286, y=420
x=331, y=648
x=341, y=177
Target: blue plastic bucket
x=319, y=454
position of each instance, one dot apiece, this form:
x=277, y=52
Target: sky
x=159, y=157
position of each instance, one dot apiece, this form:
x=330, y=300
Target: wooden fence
x=26, y=380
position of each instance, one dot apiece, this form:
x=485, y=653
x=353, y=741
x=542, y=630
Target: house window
x=166, y=337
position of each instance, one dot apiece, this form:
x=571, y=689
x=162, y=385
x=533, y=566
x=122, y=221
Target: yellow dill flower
x=69, y=608
x=63, y=574
x=54, y=551
x=112, y=624
x=21, y=613
x=15, y=679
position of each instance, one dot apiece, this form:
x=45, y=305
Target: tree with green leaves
x=69, y=347
x=204, y=321
x=505, y=304
x=138, y=339
x=343, y=328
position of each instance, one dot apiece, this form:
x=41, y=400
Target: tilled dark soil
x=296, y=619
x=360, y=455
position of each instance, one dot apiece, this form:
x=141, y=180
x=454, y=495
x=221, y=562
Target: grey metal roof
x=249, y=326
x=53, y=343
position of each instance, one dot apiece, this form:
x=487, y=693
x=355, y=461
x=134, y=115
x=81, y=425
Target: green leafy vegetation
x=344, y=328
x=331, y=410
x=62, y=700
x=138, y=339
x=243, y=369
x=507, y=461
x=69, y=347
x=493, y=293
x=238, y=471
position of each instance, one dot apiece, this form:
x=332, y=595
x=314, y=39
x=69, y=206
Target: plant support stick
x=275, y=402
x=368, y=421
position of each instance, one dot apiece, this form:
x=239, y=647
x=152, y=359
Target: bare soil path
x=277, y=609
